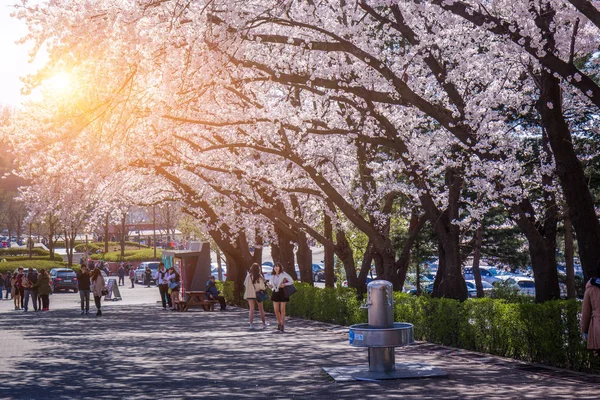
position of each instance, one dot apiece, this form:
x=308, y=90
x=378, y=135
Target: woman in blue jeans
x=83, y=283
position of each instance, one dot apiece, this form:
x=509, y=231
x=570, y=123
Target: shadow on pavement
x=143, y=352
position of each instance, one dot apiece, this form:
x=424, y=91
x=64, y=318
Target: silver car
x=141, y=269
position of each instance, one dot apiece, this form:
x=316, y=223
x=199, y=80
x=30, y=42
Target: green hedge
x=93, y=247
x=546, y=333
x=15, y=252
x=130, y=255
x=338, y=306
x=10, y=266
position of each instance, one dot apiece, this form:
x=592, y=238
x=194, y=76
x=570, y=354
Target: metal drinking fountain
x=381, y=335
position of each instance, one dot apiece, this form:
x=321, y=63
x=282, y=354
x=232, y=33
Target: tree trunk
x=283, y=252
x=542, y=249
x=258, y=249
x=569, y=254
x=476, y=258
x=449, y=282
x=571, y=175
x=304, y=257
x=414, y=228
x=106, y=234
x=328, y=253
x=344, y=252
x=122, y=241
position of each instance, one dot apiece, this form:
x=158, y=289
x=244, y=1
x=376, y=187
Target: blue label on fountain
x=351, y=335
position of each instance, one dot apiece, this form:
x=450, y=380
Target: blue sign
x=351, y=335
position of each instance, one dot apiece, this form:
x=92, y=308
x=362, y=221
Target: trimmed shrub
x=10, y=266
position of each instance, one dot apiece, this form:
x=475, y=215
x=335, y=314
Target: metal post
x=381, y=315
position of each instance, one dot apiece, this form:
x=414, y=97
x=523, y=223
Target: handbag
x=261, y=296
x=174, y=285
x=104, y=292
x=289, y=290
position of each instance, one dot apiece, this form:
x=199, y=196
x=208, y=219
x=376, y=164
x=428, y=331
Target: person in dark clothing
x=32, y=276
x=3, y=285
x=132, y=277
x=83, y=283
x=147, y=276
x=213, y=294
x=121, y=272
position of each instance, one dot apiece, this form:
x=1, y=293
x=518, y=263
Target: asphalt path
x=137, y=351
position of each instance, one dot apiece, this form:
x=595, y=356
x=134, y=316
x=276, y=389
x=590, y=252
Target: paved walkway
x=140, y=351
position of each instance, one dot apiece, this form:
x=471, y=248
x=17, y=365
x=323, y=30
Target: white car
x=525, y=285
x=267, y=270
x=472, y=288
x=488, y=274
x=215, y=272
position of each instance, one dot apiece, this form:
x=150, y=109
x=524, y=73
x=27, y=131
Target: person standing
x=98, y=289
x=254, y=282
x=7, y=285
x=43, y=289
x=213, y=294
x=147, y=276
x=280, y=279
x=32, y=276
x=83, y=284
x=16, y=295
x=19, y=286
x=121, y=272
x=590, y=315
x=174, y=280
x=163, y=287
x=27, y=293
x=3, y=284
x=132, y=277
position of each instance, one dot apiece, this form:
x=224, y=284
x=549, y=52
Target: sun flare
x=59, y=82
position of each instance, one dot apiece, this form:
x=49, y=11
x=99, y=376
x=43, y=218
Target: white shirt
x=276, y=281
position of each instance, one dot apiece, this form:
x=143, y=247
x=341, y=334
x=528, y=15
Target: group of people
x=25, y=286
x=169, y=285
x=255, y=283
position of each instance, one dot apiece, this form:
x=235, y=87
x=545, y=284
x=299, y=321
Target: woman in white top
x=254, y=282
x=279, y=279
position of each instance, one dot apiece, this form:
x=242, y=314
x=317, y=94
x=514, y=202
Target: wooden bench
x=197, y=299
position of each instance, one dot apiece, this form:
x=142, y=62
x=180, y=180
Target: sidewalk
x=142, y=352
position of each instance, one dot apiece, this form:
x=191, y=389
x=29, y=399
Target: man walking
x=163, y=286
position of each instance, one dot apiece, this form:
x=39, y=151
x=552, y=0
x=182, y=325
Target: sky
x=13, y=60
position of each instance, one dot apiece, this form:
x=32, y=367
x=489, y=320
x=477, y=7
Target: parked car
x=318, y=271
x=488, y=274
x=525, y=285
x=140, y=271
x=215, y=272
x=63, y=279
x=267, y=269
x=472, y=288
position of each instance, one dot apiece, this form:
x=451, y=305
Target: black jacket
x=83, y=281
